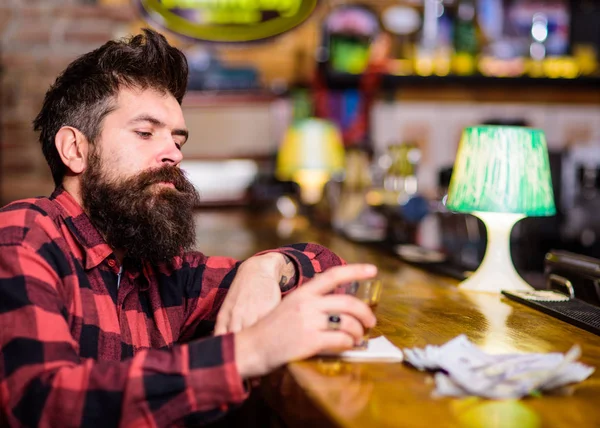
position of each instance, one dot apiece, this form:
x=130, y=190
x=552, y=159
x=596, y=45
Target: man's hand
x=255, y=291
x=298, y=327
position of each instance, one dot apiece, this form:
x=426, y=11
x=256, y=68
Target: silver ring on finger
x=334, y=322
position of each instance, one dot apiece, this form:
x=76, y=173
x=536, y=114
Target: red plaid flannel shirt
x=76, y=350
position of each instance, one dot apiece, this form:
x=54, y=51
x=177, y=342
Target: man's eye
x=144, y=134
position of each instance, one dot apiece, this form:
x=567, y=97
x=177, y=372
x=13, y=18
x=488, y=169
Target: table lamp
x=311, y=151
x=501, y=175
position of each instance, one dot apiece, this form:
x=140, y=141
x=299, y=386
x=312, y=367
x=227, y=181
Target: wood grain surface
x=416, y=309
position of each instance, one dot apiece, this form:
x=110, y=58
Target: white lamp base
x=496, y=272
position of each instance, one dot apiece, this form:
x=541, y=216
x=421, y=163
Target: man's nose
x=171, y=153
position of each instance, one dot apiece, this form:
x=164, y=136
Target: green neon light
x=227, y=20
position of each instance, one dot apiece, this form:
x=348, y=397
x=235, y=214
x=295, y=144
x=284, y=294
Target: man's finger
x=348, y=324
x=250, y=320
x=221, y=326
x=335, y=341
x=339, y=275
x=338, y=303
x=235, y=324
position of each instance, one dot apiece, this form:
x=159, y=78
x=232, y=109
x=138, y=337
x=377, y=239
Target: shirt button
x=111, y=263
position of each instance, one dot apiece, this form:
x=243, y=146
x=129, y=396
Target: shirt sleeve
x=309, y=259
x=206, y=284
x=212, y=276
x=44, y=382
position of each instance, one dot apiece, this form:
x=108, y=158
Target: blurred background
x=376, y=93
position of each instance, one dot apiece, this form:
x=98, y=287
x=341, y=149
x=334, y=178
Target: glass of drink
x=368, y=291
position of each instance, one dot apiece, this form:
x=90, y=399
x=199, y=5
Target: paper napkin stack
x=463, y=369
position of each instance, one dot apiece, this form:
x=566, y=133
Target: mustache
x=166, y=174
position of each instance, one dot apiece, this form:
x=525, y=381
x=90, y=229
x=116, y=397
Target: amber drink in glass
x=368, y=291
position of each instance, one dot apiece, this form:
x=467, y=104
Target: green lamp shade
x=502, y=169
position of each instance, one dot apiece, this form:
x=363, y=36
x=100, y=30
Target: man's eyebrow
x=156, y=122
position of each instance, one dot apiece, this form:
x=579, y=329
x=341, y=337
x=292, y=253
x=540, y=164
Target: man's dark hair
x=84, y=93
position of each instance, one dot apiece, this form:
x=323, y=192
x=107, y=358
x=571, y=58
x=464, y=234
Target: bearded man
x=104, y=308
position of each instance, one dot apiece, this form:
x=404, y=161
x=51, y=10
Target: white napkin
x=378, y=349
x=464, y=370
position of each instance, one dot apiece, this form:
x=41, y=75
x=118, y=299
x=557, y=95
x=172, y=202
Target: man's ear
x=73, y=148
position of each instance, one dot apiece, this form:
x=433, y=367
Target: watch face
x=226, y=20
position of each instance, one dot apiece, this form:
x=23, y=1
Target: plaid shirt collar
x=94, y=247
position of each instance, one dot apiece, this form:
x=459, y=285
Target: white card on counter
x=378, y=349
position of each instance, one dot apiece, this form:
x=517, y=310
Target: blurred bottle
x=466, y=43
x=403, y=23
x=404, y=207
x=539, y=36
x=490, y=17
x=356, y=183
x=432, y=53
x=400, y=179
x=302, y=107
x=353, y=216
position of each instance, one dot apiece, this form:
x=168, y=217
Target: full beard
x=148, y=220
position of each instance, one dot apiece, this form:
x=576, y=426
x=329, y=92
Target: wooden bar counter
x=416, y=309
